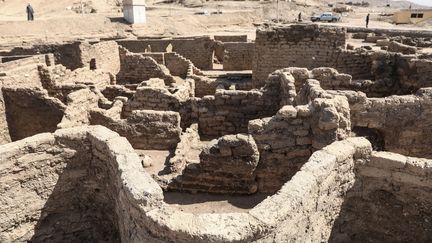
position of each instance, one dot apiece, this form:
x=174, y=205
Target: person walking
x=30, y=12
x=367, y=21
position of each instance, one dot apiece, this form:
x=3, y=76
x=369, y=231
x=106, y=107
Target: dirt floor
x=212, y=203
x=158, y=160
x=198, y=202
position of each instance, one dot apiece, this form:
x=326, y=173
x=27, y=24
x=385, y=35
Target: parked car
x=329, y=17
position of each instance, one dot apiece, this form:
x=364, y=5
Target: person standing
x=300, y=17
x=367, y=21
x=30, y=12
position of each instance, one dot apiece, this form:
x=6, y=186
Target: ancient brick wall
x=238, y=55
x=286, y=140
x=79, y=104
x=305, y=208
x=414, y=73
x=30, y=112
x=157, y=56
x=67, y=54
x=388, y=202
x=228, y=112
x=357, y=64
x=226, y=165
x=199, y=49
x=307, y=46
x=403, y=122
x=135, y=68
x=157, y=98
x=4, y=130
x=112, y=91
x=176, y=64
x=23, y=72
x=55, y=185
x=106, y=57
x=231, y=38
x=204, y=86
x=189, y=141
x=144, y=129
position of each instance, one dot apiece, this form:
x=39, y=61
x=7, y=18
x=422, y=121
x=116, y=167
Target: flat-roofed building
x=412, y=16
x=134, y=11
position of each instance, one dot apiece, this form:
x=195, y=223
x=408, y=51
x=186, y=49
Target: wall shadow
x=80, y=207
x=375, y=213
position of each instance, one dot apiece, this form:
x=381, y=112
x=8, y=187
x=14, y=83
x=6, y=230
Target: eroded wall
x=403, y=121
x=308, y=46
x=238, y=55
x=199, y=49
x=31, y=111
x=389, y=202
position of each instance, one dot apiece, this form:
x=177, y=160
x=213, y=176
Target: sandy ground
x=212, y=203
x=54, y=22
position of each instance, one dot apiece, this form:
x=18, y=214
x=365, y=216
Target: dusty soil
x=56, y=21
x=158, y=158
x=212, y=203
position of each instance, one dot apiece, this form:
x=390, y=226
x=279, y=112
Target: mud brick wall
x=231, y=38
x=144, y=129
x=199, y=50
x=204, y=85
x=403, y=122
x=157, y=56
x=286, y=141
x=156, y=98
x=176, y=64
x=226, y=165
x=29, y=112
x=24, y=71
x=390, y=201
x=55, y=185
x=112, y=91
x=79, y=104
x=307, y=46
x=67, y=54
x=357, y=64
x=238, y=55
x=228, y=112
x=135, y=68
x=189, y=141
x=4, y=130
x=52, y=191
x=12, y=58
x=107, y=56
x=414, y=73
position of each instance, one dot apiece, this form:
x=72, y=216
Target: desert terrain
x=61, y=20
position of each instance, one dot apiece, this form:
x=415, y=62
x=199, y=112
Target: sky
x=423, y=2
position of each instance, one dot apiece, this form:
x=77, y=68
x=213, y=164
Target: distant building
x=412, y=16
x=134, y=11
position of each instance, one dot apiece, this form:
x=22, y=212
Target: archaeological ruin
x=308, y=133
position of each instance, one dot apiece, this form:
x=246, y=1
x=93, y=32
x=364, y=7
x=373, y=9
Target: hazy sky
x=423, y=2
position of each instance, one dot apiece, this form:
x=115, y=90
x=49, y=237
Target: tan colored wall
x=390, y=201
x=4, y=130
x=199, y=49
x=307, y=46
x=238, y=55
x=404, y=16
x=135, y=68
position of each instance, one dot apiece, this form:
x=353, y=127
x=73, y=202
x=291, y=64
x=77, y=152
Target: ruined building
x=309, y=137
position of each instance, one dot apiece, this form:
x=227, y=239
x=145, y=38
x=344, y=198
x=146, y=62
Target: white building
x=134, y=11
